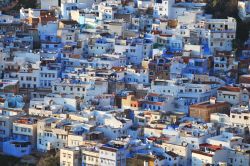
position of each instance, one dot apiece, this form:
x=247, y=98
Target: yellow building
x=141, y=160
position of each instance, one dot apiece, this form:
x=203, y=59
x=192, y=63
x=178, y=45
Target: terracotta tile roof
x=118, y=68
x=166, y=35
x=212, y=147
x=69, y=22
x=108, y=149
x=244, y=61
x=155, y=32
x=230, y=88
x=153, y=103
x=223, y=53
x=245, y=79
x=153, y=94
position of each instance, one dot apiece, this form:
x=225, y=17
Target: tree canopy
x=222, y=8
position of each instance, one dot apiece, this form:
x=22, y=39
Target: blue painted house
x=17, y=148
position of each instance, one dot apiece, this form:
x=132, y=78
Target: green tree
x=8, y=160
x=26, y=4
x=49, y=160
x=222, y=8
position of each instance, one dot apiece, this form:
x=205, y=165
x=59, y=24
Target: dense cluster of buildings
x=116, y=83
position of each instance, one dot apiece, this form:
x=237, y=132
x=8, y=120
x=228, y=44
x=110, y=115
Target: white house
x=208, y=154
x=163, y=8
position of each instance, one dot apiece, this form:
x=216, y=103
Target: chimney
x=212, y=100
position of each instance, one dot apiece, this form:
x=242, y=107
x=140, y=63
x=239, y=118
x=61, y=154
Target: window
x=226, y=27
x=23, y=129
